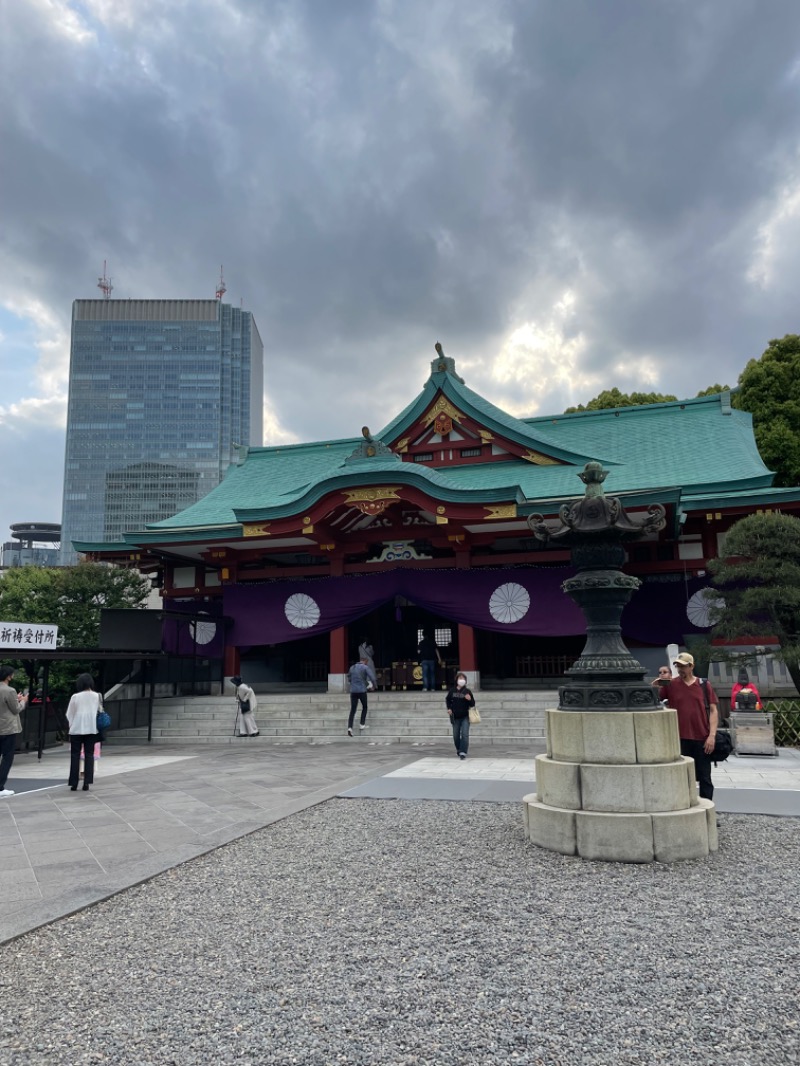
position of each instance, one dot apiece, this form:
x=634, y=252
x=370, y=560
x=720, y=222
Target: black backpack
x=723, y=745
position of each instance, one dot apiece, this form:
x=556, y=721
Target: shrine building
x=303, y=551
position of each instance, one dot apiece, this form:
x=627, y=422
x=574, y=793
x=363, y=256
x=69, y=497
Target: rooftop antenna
x=221, y=288
x=104, y=283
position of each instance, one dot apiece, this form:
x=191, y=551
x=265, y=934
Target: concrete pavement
x=151, y=809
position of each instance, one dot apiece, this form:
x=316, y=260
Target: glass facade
x=160, y=394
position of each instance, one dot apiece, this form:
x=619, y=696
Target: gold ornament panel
x=368, y=495
x=502, y=510
x=442, y=406
x=541, y=459
x=256, y=529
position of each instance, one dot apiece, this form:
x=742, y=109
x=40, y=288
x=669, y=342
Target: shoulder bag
x=103, y=717
x=723, y=745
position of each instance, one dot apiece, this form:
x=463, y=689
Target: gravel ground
x=374, y=931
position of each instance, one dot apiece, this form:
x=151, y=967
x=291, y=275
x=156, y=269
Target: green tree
x=759, y=581
x=614, y=398
x=712, y=390
x=769, y=388
x=70, y=597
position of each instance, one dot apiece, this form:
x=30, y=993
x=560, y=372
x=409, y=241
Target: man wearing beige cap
x=697, y=720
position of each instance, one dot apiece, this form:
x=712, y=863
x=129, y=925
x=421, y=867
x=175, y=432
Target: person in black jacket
x=428, y=656
x=459, y=702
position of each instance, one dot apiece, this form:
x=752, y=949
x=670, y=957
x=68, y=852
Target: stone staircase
x=506, y=718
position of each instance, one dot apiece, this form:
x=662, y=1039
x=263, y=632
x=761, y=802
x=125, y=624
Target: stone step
x=426, y=698
x=311, y=727
x=525, y=743
x=393, y=716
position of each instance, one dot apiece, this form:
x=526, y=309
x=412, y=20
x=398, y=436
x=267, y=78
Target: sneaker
x=362, y=727
x=349, y=732
x=7, y=792
x=462, y=755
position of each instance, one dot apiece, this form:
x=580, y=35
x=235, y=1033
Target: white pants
x=246, y=724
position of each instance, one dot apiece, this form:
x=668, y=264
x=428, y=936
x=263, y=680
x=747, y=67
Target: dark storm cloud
x=609, y=183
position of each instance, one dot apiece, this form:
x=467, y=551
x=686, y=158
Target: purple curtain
x=202, y=634
x=527, y=602
x=666, y=608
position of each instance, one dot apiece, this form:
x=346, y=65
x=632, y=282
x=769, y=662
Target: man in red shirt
x=697, y=725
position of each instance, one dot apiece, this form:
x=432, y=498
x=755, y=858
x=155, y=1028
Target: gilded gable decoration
x=443, y=424
x=502, y=510
x=256, y=529
x=371, y=507
x=370, y=495
x=442, y=406
x=541, y=459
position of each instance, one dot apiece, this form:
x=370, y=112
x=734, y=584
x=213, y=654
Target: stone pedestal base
x=614, y=786
x=337, y=683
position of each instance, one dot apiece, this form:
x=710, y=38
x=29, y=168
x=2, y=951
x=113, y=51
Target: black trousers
x=354, y=698
x=702, y=766
x=77, y=741
x=8, y=746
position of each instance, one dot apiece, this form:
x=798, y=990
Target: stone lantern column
x=613, y=784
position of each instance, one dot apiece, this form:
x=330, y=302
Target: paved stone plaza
x=382, y=906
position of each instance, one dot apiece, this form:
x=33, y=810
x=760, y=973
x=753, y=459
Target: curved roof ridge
x=482, y=410
x=717, y=399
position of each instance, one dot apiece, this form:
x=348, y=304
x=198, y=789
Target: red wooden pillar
x=338, y=650
x=231, y=661
x=467, y=654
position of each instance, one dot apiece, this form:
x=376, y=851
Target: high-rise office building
x=160, y=394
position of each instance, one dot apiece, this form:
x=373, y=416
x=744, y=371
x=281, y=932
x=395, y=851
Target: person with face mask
x=459, y=701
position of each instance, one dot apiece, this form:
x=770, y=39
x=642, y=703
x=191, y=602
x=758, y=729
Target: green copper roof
x=484, y=412
x=701, y=444
x=697, y=449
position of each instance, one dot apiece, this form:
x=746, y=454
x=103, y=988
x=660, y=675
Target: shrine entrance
x=393, y=629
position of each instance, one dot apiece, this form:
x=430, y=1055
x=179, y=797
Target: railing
x=543, y=665
x=314, y=670
x=785, y=721
x=43, y=723
x=128, y=713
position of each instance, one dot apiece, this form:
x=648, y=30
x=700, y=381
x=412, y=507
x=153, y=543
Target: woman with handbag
x=82, y=713
x=460, y=706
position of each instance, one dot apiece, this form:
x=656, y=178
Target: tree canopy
x=769, y=388
x=759, y=581
x=70, y=597
x=614, y=398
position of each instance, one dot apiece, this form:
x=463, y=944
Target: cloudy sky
x=568, y=194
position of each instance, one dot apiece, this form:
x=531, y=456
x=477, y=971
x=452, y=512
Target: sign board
x=27, y=636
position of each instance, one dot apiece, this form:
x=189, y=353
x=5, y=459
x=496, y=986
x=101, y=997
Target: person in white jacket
x=245, y=720
x=82, y=718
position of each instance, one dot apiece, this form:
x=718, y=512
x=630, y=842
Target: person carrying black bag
x=246, y=703
x=459, y=700
x=698, y=717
